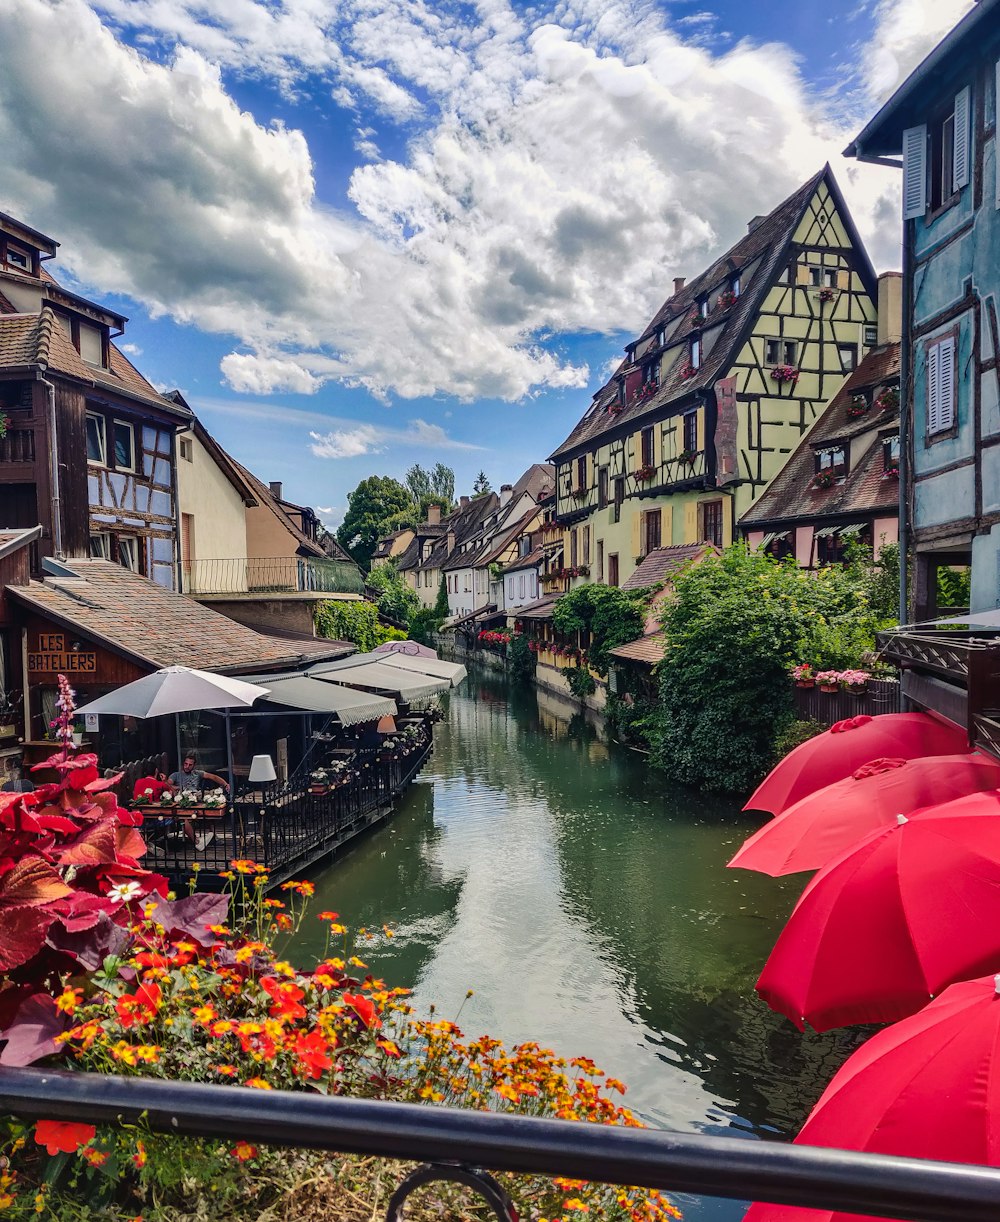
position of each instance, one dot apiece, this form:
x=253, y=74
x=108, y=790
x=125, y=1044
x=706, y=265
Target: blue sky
x=360, y=234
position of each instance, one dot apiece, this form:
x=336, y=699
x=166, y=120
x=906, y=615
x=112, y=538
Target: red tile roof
x=648, y=649
x=666, y=562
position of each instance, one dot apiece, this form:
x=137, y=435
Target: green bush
x=396, y=600
x=611, y=616
x=581, y=682
x=357, y=622
x=520, y=659
x=794, y=735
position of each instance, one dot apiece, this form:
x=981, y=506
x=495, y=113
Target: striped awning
x=379, y=677
x=437, y=668
x=311, y=696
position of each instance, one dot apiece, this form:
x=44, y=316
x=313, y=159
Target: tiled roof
x=665, y=562
x=540, y=477
x=143, y=620
x=792, y=494
x=533, y=558
x=764, y=246
x=467, y=523
x=38, y=341
x=649, y=649
x=542, y=609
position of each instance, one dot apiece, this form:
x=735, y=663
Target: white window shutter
x=933, y=389
x=946, y=381
x=914, y=172
x=996, y=143
x=960, y=177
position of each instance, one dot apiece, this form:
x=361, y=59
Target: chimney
x=506, y=492
x=276, y=489
x=890, y=308
x=754, y=222
x=433, y=514
x=451, y=541
x=463, y=502
x=679, y=283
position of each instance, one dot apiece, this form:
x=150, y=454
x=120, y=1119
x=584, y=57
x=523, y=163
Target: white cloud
x=558, y=173
x=353, y=441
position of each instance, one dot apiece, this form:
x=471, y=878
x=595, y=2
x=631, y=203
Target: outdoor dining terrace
x=286, y=826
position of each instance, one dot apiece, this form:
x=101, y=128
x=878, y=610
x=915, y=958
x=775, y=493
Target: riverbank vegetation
x=102, y=971
x=735, y=626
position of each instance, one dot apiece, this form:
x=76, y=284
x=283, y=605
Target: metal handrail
x=735, y=1168
x=271, y=575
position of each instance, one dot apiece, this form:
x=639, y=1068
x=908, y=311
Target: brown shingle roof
x=666, y=562
x=764, y=246
x=792, y=494
x=153, y=625
x=649, y=649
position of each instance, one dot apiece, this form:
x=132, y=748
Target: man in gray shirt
x=191, y=779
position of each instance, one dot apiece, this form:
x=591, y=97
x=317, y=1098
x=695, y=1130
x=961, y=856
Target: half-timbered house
x=718, y=389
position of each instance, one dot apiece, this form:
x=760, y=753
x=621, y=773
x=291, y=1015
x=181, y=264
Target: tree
x=370, y=509
x=396, y=600
x=611, y=616
x=482, y=486
x=443, y=484
x=432, y=487
x=428, y=620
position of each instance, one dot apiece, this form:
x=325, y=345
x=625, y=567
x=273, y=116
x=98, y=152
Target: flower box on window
x=891, y=473
x=686, y=371
x=616, y=409
x=888, y=400
x=857, y=406
x=825, y=479
x=687, y=457
x=785, y=373
x=645, y=391
x=578, y=494
x=827, y=294
x=725, y=299
x=645, y=473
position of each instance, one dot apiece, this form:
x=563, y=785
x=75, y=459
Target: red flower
x=363, y=1008
x=285, y=997
x=61, y=1136
x=243, y=1150
x=314, y=1053
x=138, y=1007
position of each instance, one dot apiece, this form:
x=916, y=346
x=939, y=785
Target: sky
x=362, y=234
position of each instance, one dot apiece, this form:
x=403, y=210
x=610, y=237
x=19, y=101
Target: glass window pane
x=124, y=456
x=95, y=439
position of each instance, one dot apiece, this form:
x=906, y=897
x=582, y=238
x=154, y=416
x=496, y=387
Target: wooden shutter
x=960, y=174
x=933, y=389
x=946, y=382
x=914, y=172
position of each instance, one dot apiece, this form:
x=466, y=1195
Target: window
x=871, y=335
x=788, y=273
x=581, y=472
x=651, y=531
x=124, y=441
x=941, y=387
x=848, y=356
x=534, y=585
x=696, y=352
x=942, y=152
x=97, y=450
x=100, y=547
x=890, y=454
x=711, y=522
x=829, y=277
x=646, y=447
x=619, y=490
x=520, y=586
x=702, y=307
x=128, y=552
x=585, y=546
x=613, y=569
x=18, y=258
x=599, y=574
x=833, y=460
x=734, y=286
x=690, y=429
x=651, y=372
x=187, y=449
x=187, y=539
x=780, y=351
x=602, y=487
x=574, y=558
x=816, y=276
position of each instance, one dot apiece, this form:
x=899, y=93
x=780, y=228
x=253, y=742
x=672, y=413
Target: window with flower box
x=694, y=355
x=890, y=455
x=778, y=351
x=646, y=447
x=831, y=465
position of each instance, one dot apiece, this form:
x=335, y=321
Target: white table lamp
x=261, y=770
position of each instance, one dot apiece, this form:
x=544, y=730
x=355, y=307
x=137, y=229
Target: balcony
x=18, y=445
x=269, y=575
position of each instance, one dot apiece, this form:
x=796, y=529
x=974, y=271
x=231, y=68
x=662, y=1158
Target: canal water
x=587, y=904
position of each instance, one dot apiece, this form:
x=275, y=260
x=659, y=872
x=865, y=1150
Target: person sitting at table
x=151, y=788
x=191, y=778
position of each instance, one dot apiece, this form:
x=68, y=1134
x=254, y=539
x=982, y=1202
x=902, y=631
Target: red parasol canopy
x=891, y=922
x=927, y=1087
x=835, y=754
x=823, y=824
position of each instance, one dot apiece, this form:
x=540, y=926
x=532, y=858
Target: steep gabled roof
x=264, y=498
x=539, y=478
x=792, y=494
x=464, y=522
x=758, y=257
x=663, y=563
x=219, y=456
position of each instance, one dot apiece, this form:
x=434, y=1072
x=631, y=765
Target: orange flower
x=63, y=1136
x=313, y=1053
x=139, y=1007
x=227, y=1071
x=285, y=998
x=96, y=1158
x=244, y=866
x=139, y=1157
x=328, y=916
x=363, y=1008
x=243, y=1150
x=259, y=1084
x=389, y=1047
x=68, y=1000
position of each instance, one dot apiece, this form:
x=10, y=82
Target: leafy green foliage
x=353, y=621
x=793, y=735
x=954, y=588
x=737, y=625
x=631, y=721
x=396, y=600
x=436, y=485
x=611, y=616
x=428, y=620
x=441, y=609
x=520, y=659
x=370, y=509
x=581, y=681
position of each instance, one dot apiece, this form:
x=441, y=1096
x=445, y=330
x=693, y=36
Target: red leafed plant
x=69, y=870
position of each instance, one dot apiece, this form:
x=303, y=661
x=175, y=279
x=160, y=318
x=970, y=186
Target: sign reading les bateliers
x=52, y=655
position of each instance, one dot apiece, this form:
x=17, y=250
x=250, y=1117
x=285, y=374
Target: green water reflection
x=588, y=906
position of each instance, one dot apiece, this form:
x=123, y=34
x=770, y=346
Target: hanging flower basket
x=855, y=682
x=785, y=374
x=645, y=391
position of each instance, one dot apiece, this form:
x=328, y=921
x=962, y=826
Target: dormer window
x=19, y=259
x=734, y=286
x=702, y=307
x=831, y=466
x=696, y=353
x=890, y=455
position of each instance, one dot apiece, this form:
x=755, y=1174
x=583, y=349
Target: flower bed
x=101, y=970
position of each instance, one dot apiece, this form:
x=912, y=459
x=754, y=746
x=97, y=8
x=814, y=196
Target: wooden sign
x=52, y=656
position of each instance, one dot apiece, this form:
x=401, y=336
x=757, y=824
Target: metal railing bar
x=735, y=1168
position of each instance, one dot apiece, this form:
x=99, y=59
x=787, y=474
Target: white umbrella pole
x=177, y=728
x=229, y=754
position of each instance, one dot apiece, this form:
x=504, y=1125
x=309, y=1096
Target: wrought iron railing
x=271, y=575
x=459, y=1145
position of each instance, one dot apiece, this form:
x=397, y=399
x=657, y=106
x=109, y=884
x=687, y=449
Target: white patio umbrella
x=176, y=689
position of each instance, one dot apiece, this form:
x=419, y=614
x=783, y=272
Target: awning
x=854, y=529
x=311, y=696
x=770, y=538
x=437, y=668
x=825, y=531
x=380, y=677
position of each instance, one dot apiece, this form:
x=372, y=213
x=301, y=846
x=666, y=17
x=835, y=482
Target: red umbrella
x=886, y=925
x=927, y=1087
x=823, y=824
x=839, y=751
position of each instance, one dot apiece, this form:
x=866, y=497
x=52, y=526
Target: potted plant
x=803, y=675
x=687, y=457
x=828, y=680
x=891, y=472
x=827, y=294
x=855, y=681
x=645, y=473
x=888, y=400
x=857, y=406
x=825, y=478
x=785, y=373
